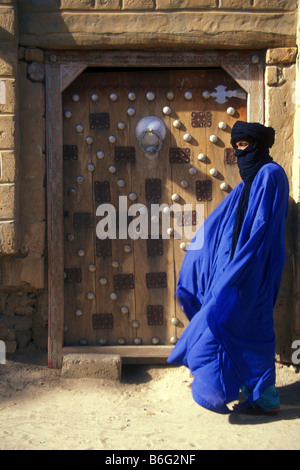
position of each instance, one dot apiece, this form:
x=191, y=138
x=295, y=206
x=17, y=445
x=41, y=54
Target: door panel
x=121, y=290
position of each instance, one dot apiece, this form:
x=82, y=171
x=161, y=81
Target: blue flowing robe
x=230, y=339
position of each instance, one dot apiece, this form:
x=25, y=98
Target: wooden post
x=54, y=215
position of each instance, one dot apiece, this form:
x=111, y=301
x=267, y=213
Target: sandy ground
x=150, y=409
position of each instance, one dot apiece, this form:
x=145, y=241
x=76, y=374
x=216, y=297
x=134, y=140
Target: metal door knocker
x=150, y=133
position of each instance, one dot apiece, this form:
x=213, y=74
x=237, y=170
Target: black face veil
x=250, y=160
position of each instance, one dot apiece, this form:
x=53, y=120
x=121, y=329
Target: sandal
x=256, y=410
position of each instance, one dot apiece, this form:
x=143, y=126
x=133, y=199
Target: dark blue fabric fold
x=229, y=340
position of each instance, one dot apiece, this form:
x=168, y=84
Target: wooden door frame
x=62, y=68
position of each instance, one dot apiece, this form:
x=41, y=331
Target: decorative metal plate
x=73, y=275
x=179, y=155
x=123, y=281
x=70, y=152
x=102, y=191
x=204, y=190
x=124, y=154
x=153, y=188
x=99, y=121
x=229, y=157
x=201, y=119
x=82, y=220
x=186, y=218
x=156, y=280
x=103, y=321
x=103, y=248
x=155, y=315
x=155, y=247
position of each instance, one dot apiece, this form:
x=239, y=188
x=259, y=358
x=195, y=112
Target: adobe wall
x=29, y=27
x=152, y=24
x=296, y=186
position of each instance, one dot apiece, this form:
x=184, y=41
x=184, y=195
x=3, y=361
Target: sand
x=150, y=409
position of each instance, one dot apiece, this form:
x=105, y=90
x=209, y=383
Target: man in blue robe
x=229, y=282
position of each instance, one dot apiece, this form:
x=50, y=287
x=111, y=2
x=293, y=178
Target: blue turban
x=265, y=136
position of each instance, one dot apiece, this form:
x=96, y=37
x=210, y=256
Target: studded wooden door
x=120, y=290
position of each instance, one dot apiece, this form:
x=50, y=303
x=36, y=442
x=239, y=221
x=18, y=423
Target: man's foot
x=256, y=410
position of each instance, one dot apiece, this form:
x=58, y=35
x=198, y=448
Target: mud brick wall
x=280, y=75
x=184, y=24
x=9, y=136
x=23, y=311
x=296, y=181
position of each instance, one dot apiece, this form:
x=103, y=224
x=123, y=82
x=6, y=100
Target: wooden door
x=120, y=290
